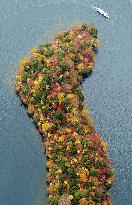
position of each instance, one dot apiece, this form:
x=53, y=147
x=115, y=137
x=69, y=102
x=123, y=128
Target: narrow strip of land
x=49, y=81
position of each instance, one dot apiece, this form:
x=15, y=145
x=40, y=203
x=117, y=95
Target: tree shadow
x=85, y=76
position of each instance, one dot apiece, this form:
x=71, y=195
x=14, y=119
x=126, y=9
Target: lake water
x=108, y=92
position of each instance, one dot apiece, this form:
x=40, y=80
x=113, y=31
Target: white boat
x=102, y=12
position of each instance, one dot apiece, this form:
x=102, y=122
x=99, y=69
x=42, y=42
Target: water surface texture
x=108, y=92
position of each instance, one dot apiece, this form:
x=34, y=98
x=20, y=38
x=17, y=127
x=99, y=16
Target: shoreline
x=49, y=83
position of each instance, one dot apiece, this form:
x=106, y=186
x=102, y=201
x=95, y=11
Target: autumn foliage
x=48, y=81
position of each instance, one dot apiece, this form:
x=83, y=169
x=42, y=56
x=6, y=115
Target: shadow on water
x=85, y=76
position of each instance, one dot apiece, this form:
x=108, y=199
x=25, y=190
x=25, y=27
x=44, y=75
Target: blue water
x=108, y=92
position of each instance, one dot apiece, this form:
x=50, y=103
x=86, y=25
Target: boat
x=103, y=13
